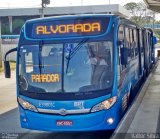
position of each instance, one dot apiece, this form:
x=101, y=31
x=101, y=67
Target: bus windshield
x=66, y=67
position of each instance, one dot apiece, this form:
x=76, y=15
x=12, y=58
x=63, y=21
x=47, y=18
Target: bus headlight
x=26, y=105
x=104, y=105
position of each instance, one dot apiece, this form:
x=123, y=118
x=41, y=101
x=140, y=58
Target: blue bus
x=78, y=72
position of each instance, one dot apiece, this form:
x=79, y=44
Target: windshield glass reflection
x=68, y=67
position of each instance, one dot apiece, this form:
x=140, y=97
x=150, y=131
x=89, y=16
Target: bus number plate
x=64, y=123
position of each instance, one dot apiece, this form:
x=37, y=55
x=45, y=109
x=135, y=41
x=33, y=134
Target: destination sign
x=66, y=28
x=45, y=78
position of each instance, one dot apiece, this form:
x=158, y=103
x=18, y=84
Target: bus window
x=127, y=42
x=120, y=67
x=141, y=42
x=71, y=67
x=88, y=66
x=131, y=43
x=121, y=33
x=42, y=70
x=29, y=62
x=135, y=41
x=150, y=46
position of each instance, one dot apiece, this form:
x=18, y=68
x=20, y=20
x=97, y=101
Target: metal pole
x=43, y=5
x=153, y=19
x=10, y=24
x=42, y=9
x=0, y=46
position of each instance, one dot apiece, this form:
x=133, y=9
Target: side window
x=135, y=42
x=149, y=44
x=141, y=41
x=20, y=66
x=128, y=42
x=121, y=33
x=120, y=67
x=131, y=44
x=29, y=62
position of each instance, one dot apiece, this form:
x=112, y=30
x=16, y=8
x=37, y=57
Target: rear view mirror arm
x=7, y=70
x=10, y=51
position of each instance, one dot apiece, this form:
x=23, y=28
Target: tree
x=139, y=13
x=132, y=6
x=136, y=9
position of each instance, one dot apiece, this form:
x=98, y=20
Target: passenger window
x=121, y=33
x=141, y=41
x=128, y=42
x=149, y=45
x=135, y=42
x=20, y=66
x=123, y=50
x=29, y=62
x=131, y=44
x=120, y=67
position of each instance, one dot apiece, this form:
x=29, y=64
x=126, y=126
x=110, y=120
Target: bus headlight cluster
x=104, y=105
x=26, y=105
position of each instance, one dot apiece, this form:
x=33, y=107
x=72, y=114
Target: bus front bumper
x=85, y=122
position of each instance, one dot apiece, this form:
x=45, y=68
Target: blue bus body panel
x=86, y=122
x=68, y=105
x=82, y=122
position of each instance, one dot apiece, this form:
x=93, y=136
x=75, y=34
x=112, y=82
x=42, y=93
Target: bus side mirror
x=7, y=70
x=154, y=40
x=124, y=56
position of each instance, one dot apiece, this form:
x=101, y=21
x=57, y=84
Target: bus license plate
x=64, y=123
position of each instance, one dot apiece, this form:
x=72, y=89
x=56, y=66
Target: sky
x=55, y=3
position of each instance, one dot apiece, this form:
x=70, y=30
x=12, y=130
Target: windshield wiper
x=74, y=51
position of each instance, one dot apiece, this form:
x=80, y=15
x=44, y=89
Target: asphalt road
x=9, y=119
x=7, y=93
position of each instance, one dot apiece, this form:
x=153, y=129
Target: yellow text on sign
x=46, y=78
x=68, y=28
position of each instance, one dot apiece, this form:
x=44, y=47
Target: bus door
x=146, y=61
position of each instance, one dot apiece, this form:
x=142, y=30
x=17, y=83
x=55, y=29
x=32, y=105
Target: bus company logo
x=68, y=28
x=63, y=112
x=79, y=104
